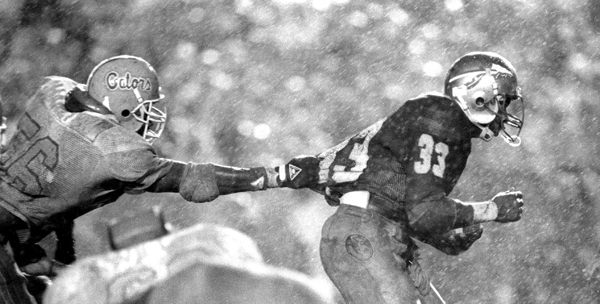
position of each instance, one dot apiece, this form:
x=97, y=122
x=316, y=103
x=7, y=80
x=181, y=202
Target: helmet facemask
x=512, y=115
x=152, y=118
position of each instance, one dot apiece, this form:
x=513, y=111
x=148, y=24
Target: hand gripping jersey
x=60, y=163
x=413, y=158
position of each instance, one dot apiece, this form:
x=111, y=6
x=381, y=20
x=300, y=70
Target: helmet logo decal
x=474, y=81
x=127, y=82
x=496, y=71
x=501, y=69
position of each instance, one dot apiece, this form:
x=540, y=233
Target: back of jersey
x=51, y=158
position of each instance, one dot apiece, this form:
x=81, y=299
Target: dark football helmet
x=128, y=87
x=485, y=86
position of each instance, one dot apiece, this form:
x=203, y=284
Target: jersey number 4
x=429, y=149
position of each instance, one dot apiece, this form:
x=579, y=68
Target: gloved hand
x=455, y=241
x=510, y=206
x=26, y=254
x=300, y=172
x=32, y=260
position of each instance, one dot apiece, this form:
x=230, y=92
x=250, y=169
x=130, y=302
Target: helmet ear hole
x=125, y=113
x=479, y=101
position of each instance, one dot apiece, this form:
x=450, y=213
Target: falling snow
x=256, y=82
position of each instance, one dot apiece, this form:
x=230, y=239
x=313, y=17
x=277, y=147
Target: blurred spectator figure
x=154, y=264
x=391, y=183
x=2, y=127
x=79, y=147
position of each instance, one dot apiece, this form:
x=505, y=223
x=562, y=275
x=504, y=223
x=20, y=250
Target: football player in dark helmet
x=392, y=180
x=486, y=88
x=78, y=147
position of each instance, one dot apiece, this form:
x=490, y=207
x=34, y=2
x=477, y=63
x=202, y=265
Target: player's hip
x=351, y=223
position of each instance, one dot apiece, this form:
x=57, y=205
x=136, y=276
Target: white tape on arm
x=282, y=175
x=484, y=212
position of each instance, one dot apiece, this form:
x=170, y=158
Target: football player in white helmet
x=391, y=183
x=78, y=147
x=128, y=87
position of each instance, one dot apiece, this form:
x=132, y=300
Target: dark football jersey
x=413, y=158
x=63, y=163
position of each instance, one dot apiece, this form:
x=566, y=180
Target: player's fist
x=300, y=172
x=510, y=206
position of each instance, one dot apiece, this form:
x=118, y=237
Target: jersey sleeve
x=129, y=159
x=433, y=147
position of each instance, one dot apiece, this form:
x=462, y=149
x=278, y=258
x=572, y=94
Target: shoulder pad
x=89, y=124
x=59, y=84
x=117, y=139
x=439, y=115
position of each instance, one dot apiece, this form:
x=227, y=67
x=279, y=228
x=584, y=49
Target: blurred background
x=257, y=82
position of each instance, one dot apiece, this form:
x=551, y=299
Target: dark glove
x=300, y=172
x=29, y=253
x=455, y=241
x=32, y=259
x=510, y=206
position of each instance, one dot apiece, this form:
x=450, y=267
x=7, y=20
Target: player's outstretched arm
x=205, y=182
x=300, y=172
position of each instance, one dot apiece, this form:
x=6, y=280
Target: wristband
x=272, y=176
x=485, y=212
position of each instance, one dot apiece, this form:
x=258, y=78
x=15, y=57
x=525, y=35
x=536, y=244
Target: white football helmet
x=128, y=87
x=485, y=86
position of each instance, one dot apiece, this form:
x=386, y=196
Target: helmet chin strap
x=486, y=134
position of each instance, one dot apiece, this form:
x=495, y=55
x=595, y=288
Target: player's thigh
x=362, y=259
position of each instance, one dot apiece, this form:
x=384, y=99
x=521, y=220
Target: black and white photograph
x=299, y=152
